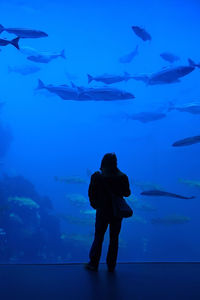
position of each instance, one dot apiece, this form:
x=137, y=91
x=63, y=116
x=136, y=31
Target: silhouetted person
x=110, y=180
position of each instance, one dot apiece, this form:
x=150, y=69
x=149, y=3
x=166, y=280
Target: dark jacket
x=100, y=189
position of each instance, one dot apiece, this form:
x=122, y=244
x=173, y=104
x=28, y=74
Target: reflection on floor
x=130, y=281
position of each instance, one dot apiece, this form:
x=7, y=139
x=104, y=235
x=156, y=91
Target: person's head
x=109, y=163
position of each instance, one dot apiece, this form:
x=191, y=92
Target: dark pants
x=101, y=226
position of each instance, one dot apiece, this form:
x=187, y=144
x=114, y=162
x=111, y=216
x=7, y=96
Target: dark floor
x=130, y=281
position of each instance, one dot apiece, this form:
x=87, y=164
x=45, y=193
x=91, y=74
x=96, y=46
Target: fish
x=142, y=206
x=159, y=193
x=63, y=91
x=193, y=183
x=71, y=180
x=166, y=76
x=109, y=79
x=46, y=58
x=129, y=57
x=169, y=57
x=192, y=63
x=105, y=94
x=2, y=231
x=77, y=199
x=76, y=220
x=145, y=186
x=192, y=108
x=88, y=212
x=187, y=141
x=146, y=117
x=24, y=70
x=14, y=42
x=142, y=33
x=171, y=220
x=23, y=32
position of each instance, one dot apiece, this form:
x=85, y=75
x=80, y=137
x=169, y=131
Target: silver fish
x=129, y=57
x=109, y=79
x=24, y=33
x=146, y=117
x=24, y=70
x=166, y=76
x=46, y=58
x=142, y=33
x=192, y=108
x=170, y=57
x=187, y=141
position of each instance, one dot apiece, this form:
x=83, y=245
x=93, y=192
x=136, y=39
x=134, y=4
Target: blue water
x=52, y=137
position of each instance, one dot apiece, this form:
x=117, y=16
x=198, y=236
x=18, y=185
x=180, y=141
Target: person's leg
x=115, y=227
x=101, y=226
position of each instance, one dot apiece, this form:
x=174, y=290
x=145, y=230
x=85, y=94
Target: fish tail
x=171, y=106
x=90, y=78
x=62, y=54
x=40, y=85
x=1, y=28
x=191, y=62
x=15, y=42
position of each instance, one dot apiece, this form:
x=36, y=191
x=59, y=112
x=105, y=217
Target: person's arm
x=125, y=186
x=93, y=190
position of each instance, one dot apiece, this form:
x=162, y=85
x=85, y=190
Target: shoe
x=90, y=267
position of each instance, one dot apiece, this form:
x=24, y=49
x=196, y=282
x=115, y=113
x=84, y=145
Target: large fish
x=166, y=76
x=192, y=108
x=46, y=58
x=14, y=42
x=169, y=57
x=109, y=79
x=160, y=193
x=146, y=117
x=105, y=94
x=24, y=33
x=187, y=141
x=171, y=220
x=129, y=57
x=141, y=33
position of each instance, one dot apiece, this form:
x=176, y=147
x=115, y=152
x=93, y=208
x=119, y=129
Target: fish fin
x=90, y=78
x=62, y=54
x=73, y=85
x=40, y=85
x=126, y=74
x=191, y=62
x=1, y=28
x=15, y=42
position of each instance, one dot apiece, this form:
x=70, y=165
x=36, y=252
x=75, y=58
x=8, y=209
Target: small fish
x=129, y=57
x=109, y=79
x=169, y=57
x=171, y=220
x=192, y=108
x=46, y=58
x=141, y=33
x=24, y=33
x=14, y=42
x=77, y=199
x=71, y=180
x=187, y=141
x=159, y=193
x=24, y=70
x=193, y=183
x=146, y=117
